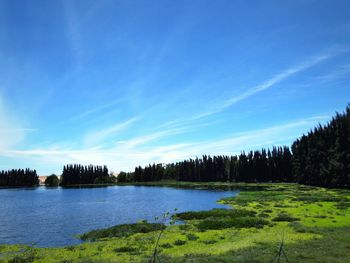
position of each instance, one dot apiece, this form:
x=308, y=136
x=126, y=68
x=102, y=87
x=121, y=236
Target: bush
x=179, y=242
x=124, y=230
x=52, y=180
x=125, y=249
x=240, y=222
x=267, y=211
x=214, y=213
x=264, y=215
x=166, y=245
x=192, y=237
x=124, y=177
x=284, y=217
x=343, y=205
x=209, y=242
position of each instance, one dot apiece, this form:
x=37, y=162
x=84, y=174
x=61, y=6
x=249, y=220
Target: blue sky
x=125, y=83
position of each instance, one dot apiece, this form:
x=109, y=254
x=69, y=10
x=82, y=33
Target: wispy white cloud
x=223, y=105
x=96, y=109
x=257, y=138
x=145, y=139
x=96, y=137
x=141, y=140
x=272, y=82
x=339, y=72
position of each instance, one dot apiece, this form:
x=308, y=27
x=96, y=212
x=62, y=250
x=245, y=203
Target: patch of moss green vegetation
x=239, y=222
x=125, y=249
x=312, y=223
x=124, y=230
x=191, y=236
x=284, y=217
x=179, y=242
x=343, y=205
x=214, y=213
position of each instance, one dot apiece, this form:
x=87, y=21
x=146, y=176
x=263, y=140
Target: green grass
x=313, y=223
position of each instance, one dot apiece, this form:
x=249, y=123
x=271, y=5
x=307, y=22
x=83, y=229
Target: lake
x=47, y=217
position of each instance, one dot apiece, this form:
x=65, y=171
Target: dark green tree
x=52, y=180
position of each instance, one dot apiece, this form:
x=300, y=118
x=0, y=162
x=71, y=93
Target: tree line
x=72, y=174
x=75, y=174
x=19, y=177
x=320, y=158
x=257, y=166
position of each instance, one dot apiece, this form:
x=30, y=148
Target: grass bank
x=313, y=224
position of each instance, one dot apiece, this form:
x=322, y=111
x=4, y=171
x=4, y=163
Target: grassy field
x=269, y=222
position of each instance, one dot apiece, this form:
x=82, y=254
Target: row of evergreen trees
x=257, y=166
x=75, y=174
x=321, y=158
x=19, y=177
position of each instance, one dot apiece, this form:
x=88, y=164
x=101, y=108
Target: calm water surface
x=50, y=217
